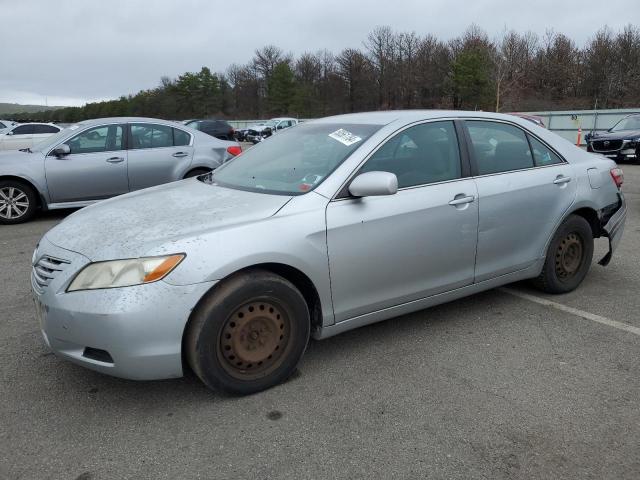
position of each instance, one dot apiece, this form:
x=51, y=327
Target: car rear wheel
x=568, y=258
x=249, y=334
x=18, y=202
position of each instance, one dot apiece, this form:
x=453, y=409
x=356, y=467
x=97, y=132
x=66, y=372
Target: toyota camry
x=329, y=226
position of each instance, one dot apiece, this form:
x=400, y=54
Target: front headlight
x=124, y=273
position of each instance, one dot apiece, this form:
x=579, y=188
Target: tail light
x=236, y=150
x=618, y=176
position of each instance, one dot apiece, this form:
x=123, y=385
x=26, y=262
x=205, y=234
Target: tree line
x=399, y=70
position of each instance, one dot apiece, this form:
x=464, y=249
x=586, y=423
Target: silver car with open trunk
x=334, y=224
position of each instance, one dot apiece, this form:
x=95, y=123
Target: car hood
x=150, y=220
x=621, y=135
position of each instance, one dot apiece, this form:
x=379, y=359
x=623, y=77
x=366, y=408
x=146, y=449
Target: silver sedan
x=98, y=159
x=334, y=224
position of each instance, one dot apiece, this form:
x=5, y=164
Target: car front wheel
x=18, y=202
x=248, y=334
x=568, y=258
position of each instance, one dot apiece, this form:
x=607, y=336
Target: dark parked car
x=216, y=128
x=620, y=143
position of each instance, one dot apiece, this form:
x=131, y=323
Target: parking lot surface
x=493, y=386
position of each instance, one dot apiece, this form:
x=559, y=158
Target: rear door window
x=498, y=147
x=149, y=135
x=180, y=137
x=543, y=155
x=45, y=129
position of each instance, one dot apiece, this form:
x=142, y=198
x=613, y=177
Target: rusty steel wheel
x=569, y=256
x=254, y=339
x=248, y=333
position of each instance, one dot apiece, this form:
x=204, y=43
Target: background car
x=241, y=134
x=5, y=125
x=335, y=224
x=102, y=158
x=620, y=143
x=257, y=133
x=216, y=128
x=25, y=135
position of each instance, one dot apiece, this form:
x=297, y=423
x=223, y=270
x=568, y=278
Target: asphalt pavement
x=494, y=386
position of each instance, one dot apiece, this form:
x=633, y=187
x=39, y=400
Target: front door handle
x=115, y=160
x=560, y=179
x=461, y=199
x=180, y=154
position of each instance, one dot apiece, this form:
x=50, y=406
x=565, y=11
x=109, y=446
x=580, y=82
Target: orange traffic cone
x=579, y=136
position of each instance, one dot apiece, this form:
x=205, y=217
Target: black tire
x=13, y=196
x=248, y=334
x=196, y=172
x=568, y=258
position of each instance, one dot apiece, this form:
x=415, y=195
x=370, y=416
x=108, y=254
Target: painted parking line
x=574, y=311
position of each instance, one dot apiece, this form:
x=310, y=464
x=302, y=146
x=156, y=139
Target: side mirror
x=372, y=184
x=10, y=132
x=61, y=150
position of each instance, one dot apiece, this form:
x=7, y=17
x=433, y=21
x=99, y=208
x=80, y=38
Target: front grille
x=606, y=145
x=46, y=270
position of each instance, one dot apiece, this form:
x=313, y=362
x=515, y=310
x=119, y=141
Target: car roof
x=405, y=116
x=96, y=121
x=36, y=123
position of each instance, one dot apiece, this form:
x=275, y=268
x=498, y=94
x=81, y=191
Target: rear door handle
x=180, y=154
x=561, y=179
x=461, y=200
x=115, y=159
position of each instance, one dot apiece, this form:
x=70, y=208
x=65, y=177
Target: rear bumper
x=613, y=228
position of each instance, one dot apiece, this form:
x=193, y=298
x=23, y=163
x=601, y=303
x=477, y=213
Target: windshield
x=629, y=123
x=294, y=161
x=51, y=141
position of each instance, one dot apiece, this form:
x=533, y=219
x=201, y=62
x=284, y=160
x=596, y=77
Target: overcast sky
x=73, y=51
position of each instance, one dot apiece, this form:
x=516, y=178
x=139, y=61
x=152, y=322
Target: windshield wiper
x=27, y=150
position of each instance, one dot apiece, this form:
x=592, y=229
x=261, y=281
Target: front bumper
x=131, y=332
x=626, y=153
x=613, y=228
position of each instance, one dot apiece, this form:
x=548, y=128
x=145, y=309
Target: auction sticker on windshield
x=345, y=137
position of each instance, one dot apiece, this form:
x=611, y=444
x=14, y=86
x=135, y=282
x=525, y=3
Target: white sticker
x=344, y=137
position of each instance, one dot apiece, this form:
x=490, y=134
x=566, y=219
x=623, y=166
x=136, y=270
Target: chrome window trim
x=404, y=189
